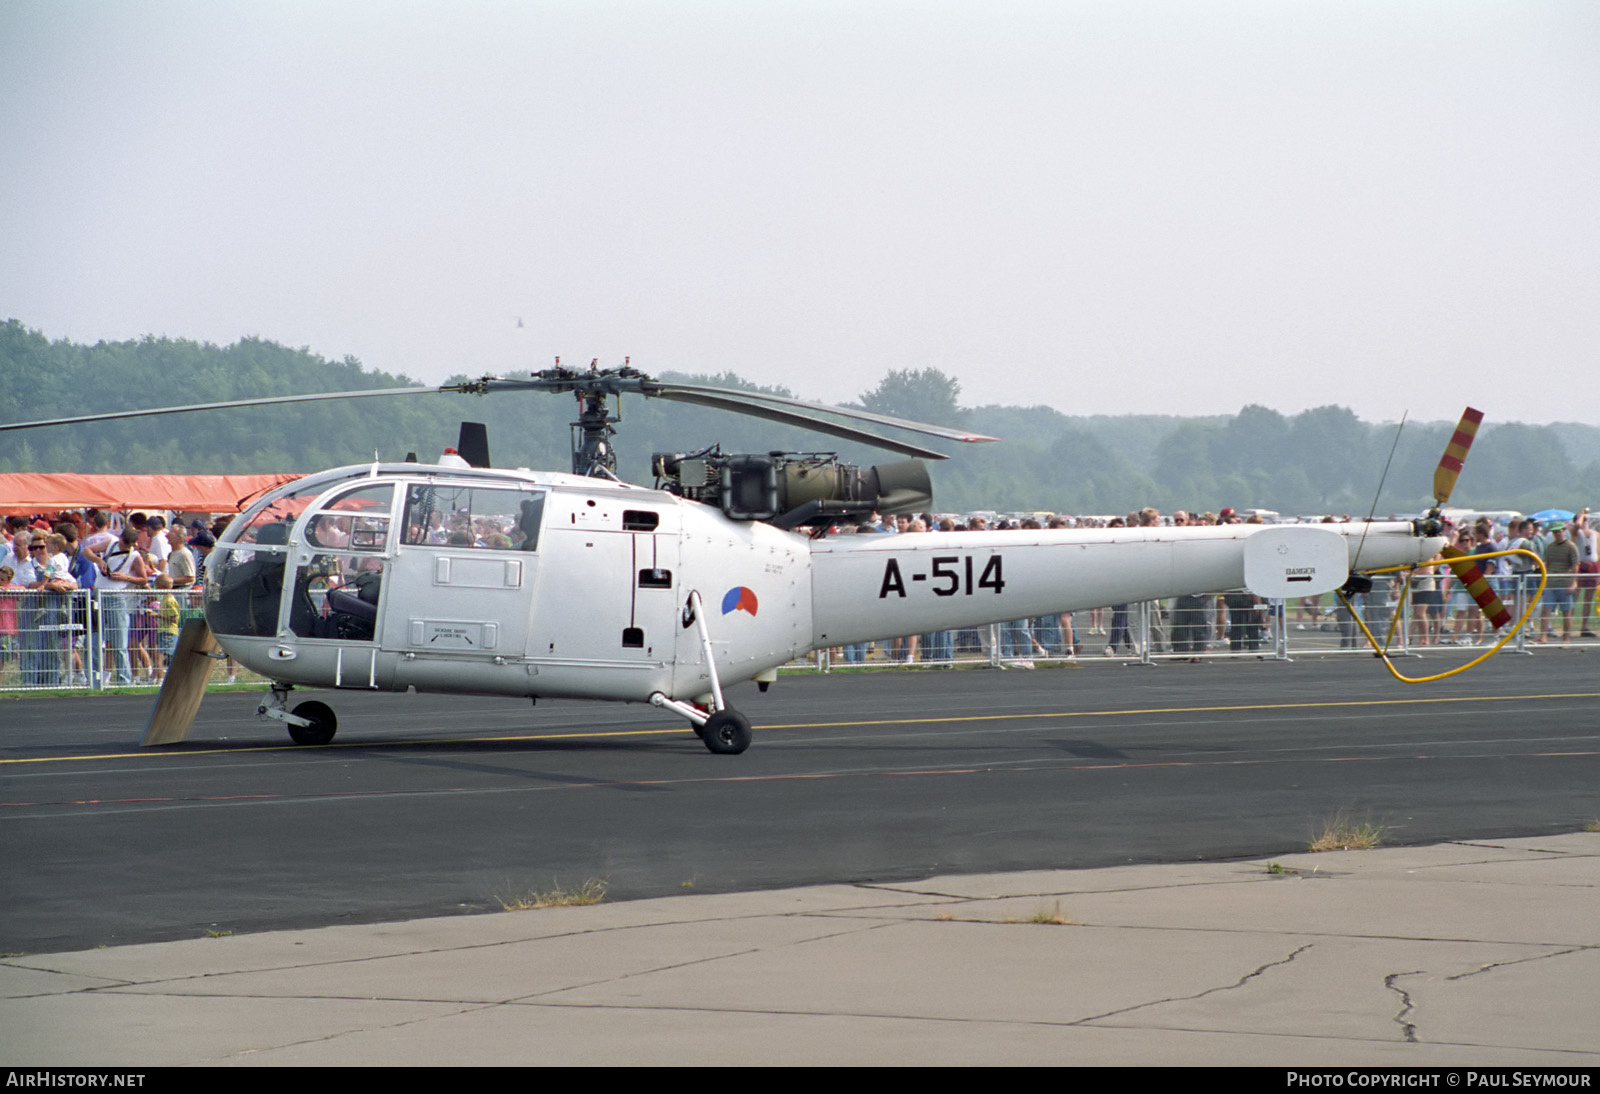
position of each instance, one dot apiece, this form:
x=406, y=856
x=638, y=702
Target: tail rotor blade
x=1444, y=476
x=1468, y=574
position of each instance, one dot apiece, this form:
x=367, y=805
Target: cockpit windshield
x=280, y=510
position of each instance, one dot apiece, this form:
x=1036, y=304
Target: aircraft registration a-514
x=461, y=578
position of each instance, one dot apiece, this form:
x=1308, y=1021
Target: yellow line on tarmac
x=1192, y=710
x=682, y=730
x=236, y=749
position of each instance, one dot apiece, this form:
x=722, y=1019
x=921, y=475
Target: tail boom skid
x=1382, y=651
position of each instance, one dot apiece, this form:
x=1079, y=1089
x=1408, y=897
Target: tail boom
x=878, y=586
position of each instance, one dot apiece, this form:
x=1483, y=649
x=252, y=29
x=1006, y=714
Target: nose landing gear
x=726, y=732
x=310, y=723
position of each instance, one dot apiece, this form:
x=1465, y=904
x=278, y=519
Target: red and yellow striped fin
x=1468, y=574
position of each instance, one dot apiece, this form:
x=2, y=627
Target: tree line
x=1323, y=460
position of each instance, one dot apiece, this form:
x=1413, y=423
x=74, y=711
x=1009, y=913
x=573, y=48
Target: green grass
x=592, y=891
x=1343, y=834
x=1051, y=916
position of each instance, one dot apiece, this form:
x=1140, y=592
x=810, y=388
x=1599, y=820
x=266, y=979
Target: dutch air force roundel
x=739, y=598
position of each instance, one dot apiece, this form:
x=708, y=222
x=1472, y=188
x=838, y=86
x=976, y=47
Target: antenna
x=1381, y=479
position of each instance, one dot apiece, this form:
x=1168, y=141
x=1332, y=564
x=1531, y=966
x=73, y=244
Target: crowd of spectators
x=143, y=574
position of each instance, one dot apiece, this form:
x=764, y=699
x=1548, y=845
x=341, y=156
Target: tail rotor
x=1463, y=565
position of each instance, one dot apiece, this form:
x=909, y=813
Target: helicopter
x=460, y=577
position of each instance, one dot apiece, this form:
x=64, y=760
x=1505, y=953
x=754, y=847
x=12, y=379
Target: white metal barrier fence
x=1209, y=627
x=90, y=639
x=105, y=639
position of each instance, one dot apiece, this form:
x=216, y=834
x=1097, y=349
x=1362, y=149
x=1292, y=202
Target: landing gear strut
x=725, y=731
x=310, y=723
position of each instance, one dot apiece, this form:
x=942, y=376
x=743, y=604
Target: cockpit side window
x=353, y=521
x=368, y=499
x=485, y=518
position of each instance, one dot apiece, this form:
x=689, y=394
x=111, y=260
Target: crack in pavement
x=1406, y=1006
x=1519, y=961
x=909, y=888
x=1241, y=982
x=113, y=984
x=709, y=959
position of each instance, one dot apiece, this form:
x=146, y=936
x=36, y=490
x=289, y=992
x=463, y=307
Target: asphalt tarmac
x=440, y=806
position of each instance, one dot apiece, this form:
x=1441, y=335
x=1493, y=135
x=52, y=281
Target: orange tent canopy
x=34, y=492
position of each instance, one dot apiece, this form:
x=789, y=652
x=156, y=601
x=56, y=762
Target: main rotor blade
x=1444, y=476
x=718, y=398
x=663, y=387
x=231, y=404
x=728, y=399
x=732, y=399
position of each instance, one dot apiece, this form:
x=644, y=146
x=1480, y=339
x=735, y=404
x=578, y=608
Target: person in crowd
x=1482, y=544
x=142, y=630
x=100, y=538
x=1461, y=611
x=180, y=560
x=1189, y=625
x=9, y=647
x=61, y=660
x=905, y=647
x=41, y=609
x=1587, y=539
x=18, y=558
x=1427, y=605
x=1561, y=563
x=124, y=576
x=1120, y=635
x=84, y=569
x=155, y=545
x=1523, y=570
x=167, y=614
x=1244, y=620
x=202, y=544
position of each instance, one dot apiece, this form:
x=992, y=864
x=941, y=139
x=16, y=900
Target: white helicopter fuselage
x=519, y=583
x=591, y=605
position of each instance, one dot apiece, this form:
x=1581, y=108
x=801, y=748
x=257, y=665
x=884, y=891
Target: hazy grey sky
x=1107, y=207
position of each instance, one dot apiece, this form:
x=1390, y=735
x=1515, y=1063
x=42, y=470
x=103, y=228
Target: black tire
x=322, y=728
x=727, y=732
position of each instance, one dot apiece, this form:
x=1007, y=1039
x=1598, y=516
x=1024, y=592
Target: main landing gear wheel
x=324, y=724
x=726, y=732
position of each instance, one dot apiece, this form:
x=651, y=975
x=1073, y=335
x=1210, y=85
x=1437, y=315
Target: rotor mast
x=593, y=453
x=592, y=450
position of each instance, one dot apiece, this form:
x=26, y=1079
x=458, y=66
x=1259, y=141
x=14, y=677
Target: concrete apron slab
x=1454, y=954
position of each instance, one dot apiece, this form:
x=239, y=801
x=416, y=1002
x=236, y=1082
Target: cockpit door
x=464, y=573
x=341, y=561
